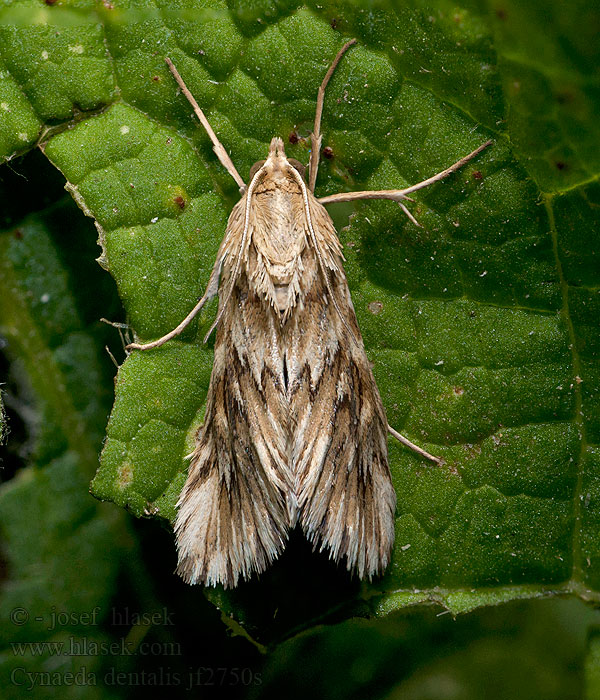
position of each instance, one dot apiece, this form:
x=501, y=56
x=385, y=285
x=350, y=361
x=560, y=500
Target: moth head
x=276, y=161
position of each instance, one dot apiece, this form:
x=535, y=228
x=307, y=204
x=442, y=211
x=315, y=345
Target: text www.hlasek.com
x=82, y=646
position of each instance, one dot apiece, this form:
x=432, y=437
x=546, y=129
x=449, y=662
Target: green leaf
x=53, y=63
x=527, y=649
x=482, y=325
x=592, y=665
x=61, y=550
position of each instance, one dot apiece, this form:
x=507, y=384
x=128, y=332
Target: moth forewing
x=295, y=432
x=233, y=513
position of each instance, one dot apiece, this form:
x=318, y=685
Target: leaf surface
x=482, y=325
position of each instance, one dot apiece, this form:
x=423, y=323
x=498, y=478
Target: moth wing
x=346, y=499
x=233, y=512
x=232, y=519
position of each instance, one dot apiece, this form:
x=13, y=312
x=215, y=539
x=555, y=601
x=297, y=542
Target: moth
x=295, y=432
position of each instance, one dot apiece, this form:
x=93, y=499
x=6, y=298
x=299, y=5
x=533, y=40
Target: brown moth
x=295, y=433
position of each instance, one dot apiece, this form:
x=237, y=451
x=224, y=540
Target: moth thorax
x=279, y=222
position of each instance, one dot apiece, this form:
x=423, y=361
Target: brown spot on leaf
x=156, y=78
x=458, y=390
x=477, y=175
x=180, y=201
x=561, y=165
x=333, y=23
x=501, y=14
x=125, y=475
x=18, y=234
x=293, y=138
x=375, y=307
x=328, y=152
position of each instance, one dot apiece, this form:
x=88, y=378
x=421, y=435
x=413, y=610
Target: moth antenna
x=218, y=147
x=315, y=137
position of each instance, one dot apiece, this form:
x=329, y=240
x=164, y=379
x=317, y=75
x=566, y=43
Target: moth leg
x=175, y=332
x=402, y=195
x=315, y=137
x=218, y=147
x=211, y=291
x=413, y=447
